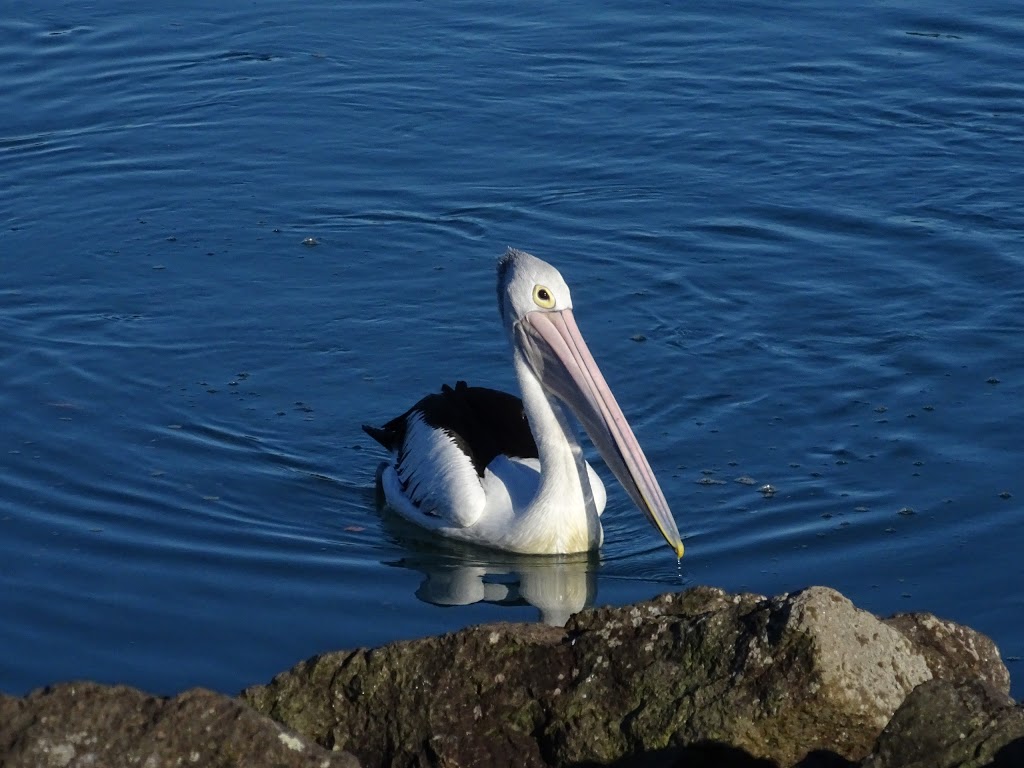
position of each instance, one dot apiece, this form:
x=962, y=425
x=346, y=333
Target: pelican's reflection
x=455, y=574
x=558, y=586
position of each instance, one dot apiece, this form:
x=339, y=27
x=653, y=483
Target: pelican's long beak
x=553, y=346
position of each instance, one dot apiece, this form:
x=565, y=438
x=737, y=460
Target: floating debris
x=311, y=242
x=767, y=490
x=906, y=512
x=1005, y=495
x=745, y=480
x=936, y=35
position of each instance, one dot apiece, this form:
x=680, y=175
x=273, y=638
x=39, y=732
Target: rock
x=945, y=725
x=700, y=678
x=86, y=724
x=458, y=699
x=803, y=677
x=954, y=652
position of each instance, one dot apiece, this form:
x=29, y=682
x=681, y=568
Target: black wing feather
x=483, y=422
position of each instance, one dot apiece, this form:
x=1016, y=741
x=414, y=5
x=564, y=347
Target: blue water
x=228, y=238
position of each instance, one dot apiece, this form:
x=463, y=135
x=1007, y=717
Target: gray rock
x=803, y=677
x=86, y=724
x=945, y=725
x=700, y=678
x=954, y=652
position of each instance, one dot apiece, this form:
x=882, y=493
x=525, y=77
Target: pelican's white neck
x=563, y=507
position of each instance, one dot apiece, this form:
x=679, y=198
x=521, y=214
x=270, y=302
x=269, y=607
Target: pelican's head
x=536, y=309
x=526, y=284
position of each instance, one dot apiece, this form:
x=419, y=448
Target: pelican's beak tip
x=679, y=550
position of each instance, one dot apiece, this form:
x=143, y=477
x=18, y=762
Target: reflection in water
x=557, y=586
x=455, y=573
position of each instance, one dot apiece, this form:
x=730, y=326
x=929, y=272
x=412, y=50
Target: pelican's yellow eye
x=542, y=297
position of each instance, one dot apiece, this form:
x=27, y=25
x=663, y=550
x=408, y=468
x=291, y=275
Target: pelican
x=488, y=468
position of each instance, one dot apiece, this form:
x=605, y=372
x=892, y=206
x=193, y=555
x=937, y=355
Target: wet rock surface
x=699, y=678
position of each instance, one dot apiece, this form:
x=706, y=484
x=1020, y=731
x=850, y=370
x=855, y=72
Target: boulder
x=86, y=724
x=699, y=678
x=945, y=725
x=805, y=678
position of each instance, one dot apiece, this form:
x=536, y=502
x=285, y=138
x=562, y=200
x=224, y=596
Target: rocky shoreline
x=698, y=678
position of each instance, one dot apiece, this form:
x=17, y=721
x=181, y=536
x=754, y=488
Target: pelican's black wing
x=483, y=422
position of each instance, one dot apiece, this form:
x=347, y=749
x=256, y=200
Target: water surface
x=795, y=245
